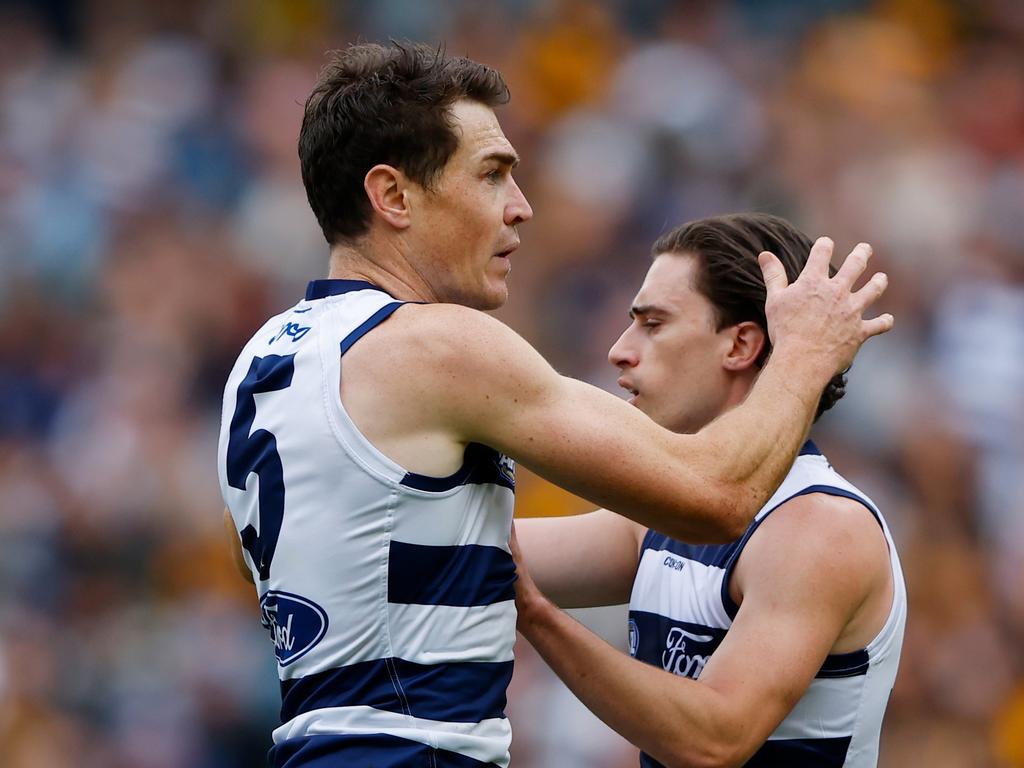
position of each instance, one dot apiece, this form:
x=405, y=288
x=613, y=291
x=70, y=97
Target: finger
x=854, y=265
x=820, y=257
x=774, y=273
x=878, y=325
x=872, y=290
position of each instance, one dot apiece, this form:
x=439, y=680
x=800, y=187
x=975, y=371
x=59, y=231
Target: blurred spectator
x=151, y=212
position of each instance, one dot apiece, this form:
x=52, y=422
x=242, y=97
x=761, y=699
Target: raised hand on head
x=821, y=316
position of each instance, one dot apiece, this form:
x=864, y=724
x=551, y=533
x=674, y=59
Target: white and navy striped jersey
x=388, y=595
x=680, y=611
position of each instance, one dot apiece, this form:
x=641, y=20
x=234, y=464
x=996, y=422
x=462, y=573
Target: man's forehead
x=649, y=299
x=479, y=131
x=667, y=283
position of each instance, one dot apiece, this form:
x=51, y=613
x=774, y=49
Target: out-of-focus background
x=152, y=215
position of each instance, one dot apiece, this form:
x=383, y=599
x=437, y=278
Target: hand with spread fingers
x=818, y=318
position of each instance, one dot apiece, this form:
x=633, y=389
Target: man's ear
x=386, y=189
x=748, y=340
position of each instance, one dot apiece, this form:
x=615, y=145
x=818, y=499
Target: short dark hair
x=382, y=104
x=728, y=275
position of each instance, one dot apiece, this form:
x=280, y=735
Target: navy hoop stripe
x=801, y=753
x=651, y=631
x=472, y=574
x=788, y=753
x=717, y=555
x=463, y=692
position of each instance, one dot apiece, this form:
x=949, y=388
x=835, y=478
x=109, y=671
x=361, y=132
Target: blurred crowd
x=152, y=215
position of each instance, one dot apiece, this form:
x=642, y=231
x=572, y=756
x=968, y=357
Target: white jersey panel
x=675, y=588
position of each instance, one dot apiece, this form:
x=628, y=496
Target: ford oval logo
x=295, y=624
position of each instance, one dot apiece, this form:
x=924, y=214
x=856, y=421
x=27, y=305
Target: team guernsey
x=681, y=609
x=388, y=596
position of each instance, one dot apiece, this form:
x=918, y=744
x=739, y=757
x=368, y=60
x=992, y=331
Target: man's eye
x=494, y=175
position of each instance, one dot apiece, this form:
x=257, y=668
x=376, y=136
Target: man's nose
x=622, y=355
x=518, y=209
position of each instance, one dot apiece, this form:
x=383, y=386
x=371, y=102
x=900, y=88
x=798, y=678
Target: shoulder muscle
x=817, y=546
x=461, y=367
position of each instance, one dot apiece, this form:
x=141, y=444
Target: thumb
x=774, y=273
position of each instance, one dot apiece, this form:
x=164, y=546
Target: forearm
x=583, y=560
x=678, y=721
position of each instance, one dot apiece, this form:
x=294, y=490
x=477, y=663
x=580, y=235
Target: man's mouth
x=628, y=386
x=504, y=254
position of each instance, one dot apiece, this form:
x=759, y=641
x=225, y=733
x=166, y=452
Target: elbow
x=736, y=524
x=718, y=740
x=730, y=513
x=739, y=507
x=719, y=515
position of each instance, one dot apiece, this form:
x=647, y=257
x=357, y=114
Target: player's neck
x=385, y=267
x=739, y=388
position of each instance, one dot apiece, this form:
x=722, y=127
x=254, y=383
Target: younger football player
x=778, y=648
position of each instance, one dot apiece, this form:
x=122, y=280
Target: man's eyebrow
x=646, y=309
x=505, y=158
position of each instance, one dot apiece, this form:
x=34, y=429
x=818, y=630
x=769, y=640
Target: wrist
x=533, y=610
x=807, y=372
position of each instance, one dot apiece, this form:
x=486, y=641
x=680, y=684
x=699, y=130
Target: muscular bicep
x=805, y=574
x=583, y=560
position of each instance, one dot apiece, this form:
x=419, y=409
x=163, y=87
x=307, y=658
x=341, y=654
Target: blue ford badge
x=295, y=624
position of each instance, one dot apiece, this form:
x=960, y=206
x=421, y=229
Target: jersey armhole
x=480, y=463
x=369, y=324
x=731, y=606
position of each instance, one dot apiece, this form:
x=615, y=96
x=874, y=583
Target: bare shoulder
x=831, y=542
x=446, y=366
x=445, y=334
x=837, y=522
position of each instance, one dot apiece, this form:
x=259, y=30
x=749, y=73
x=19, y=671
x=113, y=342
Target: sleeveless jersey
x=388, y=595
x=681, y=609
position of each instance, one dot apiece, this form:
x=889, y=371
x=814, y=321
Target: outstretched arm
x=581, y=561
x=446, y=375
x=814, y=566
x=495, y=389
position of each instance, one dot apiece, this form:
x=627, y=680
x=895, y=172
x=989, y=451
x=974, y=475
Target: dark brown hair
x=726, y=249
x=382, y=104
